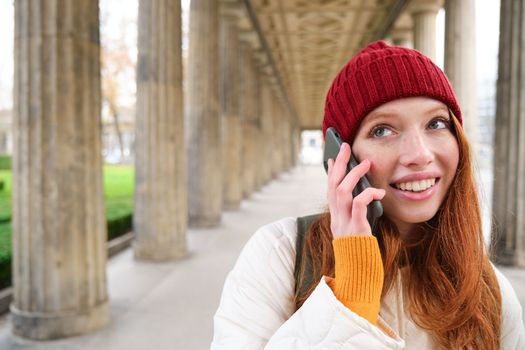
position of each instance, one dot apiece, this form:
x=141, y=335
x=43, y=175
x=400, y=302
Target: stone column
x=231, y=125
x=247, y=110
x=202, y=116
x=59, y=227
x=281, y=131
x=508, y=203
x=424, y=21
x=160, y=214
x=287, y=139
x=267, y=144
x=460, y=60
x=296, y=144
x=276, y=139
x=291, y=138
x=256, y=132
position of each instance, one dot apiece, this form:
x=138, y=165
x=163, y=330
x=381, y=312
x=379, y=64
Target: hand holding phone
x=339, y=179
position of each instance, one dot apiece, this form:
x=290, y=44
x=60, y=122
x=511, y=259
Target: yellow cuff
x=359, y=275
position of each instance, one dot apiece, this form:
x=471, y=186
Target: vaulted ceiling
x=310, y=40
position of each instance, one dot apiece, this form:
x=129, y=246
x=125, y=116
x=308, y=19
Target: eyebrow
x=377, y=115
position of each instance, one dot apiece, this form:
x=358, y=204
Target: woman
x=424, y=279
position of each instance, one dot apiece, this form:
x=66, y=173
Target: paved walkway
x=171, y=305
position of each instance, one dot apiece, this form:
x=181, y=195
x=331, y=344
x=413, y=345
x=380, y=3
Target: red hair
x=448, y=281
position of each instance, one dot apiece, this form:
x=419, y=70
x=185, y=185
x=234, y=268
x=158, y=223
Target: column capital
x=401, y=35
x=401, y=32
x=422, y=6
x=249, y=37
x=404, y=22
x=261, y=60
x=231, y=10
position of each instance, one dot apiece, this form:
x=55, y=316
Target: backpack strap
x=303, y=223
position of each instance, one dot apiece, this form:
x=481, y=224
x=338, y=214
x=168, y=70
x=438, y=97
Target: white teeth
x=416, y=186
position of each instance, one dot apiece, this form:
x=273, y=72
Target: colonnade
x=201, y=147
x=508, y=198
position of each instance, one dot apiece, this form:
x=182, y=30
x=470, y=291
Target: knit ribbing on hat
x=378, y=74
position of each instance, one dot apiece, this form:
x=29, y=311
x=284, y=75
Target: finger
x=360, y=202
x=339, y=166
x=343, y=192
x=331, y=185
x=348, y=184
x=329, y=194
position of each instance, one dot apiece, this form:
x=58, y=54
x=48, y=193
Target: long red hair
x=449, y=284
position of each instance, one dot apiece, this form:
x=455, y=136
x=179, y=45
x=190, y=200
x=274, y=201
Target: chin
x=414, y=217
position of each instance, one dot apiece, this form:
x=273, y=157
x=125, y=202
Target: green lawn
x=5, y=196
x=118, y=195
x=118, y=192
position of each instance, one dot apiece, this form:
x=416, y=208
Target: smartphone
x=332, y=145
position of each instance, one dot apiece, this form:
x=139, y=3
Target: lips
x=417, y=177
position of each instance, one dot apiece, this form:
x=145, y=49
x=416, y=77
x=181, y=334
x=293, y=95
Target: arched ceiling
x=310, y=40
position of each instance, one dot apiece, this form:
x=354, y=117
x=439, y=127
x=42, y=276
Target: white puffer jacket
x=257, y=308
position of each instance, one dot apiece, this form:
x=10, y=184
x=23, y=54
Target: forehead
x=412, y=108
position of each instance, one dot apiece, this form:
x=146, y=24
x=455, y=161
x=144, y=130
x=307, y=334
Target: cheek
x=380, y=163
x=449, y=152
x=379, y=172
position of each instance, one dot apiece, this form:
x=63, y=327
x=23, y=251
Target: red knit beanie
x=378, y=74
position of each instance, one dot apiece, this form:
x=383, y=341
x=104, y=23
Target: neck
x=405, y=229
x=410, y=233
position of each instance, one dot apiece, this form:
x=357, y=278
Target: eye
x=380, y=131
x=439, y=123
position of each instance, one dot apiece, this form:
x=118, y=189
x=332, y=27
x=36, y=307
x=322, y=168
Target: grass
x=118, y=196
x=5, y=196
x=118, y=190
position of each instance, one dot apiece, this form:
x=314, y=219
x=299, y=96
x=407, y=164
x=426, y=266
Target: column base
x=204, y=222
x=231, y=206
x=48, y=326
x=157, y=253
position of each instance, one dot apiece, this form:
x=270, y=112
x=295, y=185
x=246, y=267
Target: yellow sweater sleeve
x=359, y=275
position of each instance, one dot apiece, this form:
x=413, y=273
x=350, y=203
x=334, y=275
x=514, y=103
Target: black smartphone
x=332, y=145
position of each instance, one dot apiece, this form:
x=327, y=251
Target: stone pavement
x=171, y=305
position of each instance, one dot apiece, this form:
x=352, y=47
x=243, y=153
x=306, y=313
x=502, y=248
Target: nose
x=416, y=150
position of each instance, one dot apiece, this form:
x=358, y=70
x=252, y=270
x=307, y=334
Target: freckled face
x=407, y=137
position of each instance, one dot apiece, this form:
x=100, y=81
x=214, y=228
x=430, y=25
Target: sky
x=113, y=14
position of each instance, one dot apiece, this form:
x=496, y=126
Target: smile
x=417, y=190
x=416, y=186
